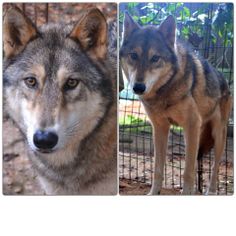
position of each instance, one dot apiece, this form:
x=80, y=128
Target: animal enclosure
x=208, y=29
x=41, y=13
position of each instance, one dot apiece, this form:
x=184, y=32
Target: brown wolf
x=60, y=89
x=176, y=87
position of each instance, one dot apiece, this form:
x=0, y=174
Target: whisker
x=71, y=130
x=73, y=126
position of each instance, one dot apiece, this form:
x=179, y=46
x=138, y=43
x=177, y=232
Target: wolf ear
x=129, y=25
x=91, y=31
x=168, y=28
x=17, y=31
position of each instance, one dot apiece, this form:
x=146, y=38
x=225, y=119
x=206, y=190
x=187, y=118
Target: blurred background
x=41, y=13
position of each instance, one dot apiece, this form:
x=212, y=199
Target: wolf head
x=54, y=82
x=148, y=54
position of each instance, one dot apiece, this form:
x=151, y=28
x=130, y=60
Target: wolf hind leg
x=218, y=151
x=160, y=136
x=219, y=134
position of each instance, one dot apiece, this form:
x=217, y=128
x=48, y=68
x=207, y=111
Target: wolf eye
x=71, y=84
x=30, y=82
x=155, y=58
x=134, y=56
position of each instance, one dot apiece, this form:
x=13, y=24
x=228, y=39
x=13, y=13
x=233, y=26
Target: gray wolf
x=60, y=90
x=176, y=87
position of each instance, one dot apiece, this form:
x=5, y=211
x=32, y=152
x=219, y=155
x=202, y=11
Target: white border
x=115, y=215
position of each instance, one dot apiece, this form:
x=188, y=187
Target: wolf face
x=55, y=87
x=147, y=54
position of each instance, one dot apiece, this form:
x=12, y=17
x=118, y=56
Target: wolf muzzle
x=139, y=88
x=45, y=140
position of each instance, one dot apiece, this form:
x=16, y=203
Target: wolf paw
x=154, y=192
x=188, y=191
x=210, y=192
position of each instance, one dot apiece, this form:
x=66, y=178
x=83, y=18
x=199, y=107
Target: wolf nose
x=45, y=139
x=139, y=88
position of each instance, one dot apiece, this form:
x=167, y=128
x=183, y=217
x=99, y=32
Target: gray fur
x=93, y=157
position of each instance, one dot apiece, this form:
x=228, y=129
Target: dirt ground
x=136, y=176
x=128, y=187
x=18, y=176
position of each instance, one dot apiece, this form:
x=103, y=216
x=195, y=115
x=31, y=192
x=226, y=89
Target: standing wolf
x=176, y=87
x=60, y=89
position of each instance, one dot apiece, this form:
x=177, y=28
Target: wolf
x=60, y=90
x=177, y=87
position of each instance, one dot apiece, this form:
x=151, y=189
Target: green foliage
x=130, y=120
x=223, y=23
x=133, y=124
x=190, y=17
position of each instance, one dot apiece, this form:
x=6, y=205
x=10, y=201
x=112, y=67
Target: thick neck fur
x=180, y=77
x=89, y=161
x=95, y=156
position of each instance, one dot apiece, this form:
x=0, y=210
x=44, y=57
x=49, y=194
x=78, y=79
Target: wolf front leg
x=192, y=135
x=220, y=139
x=160, y=136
